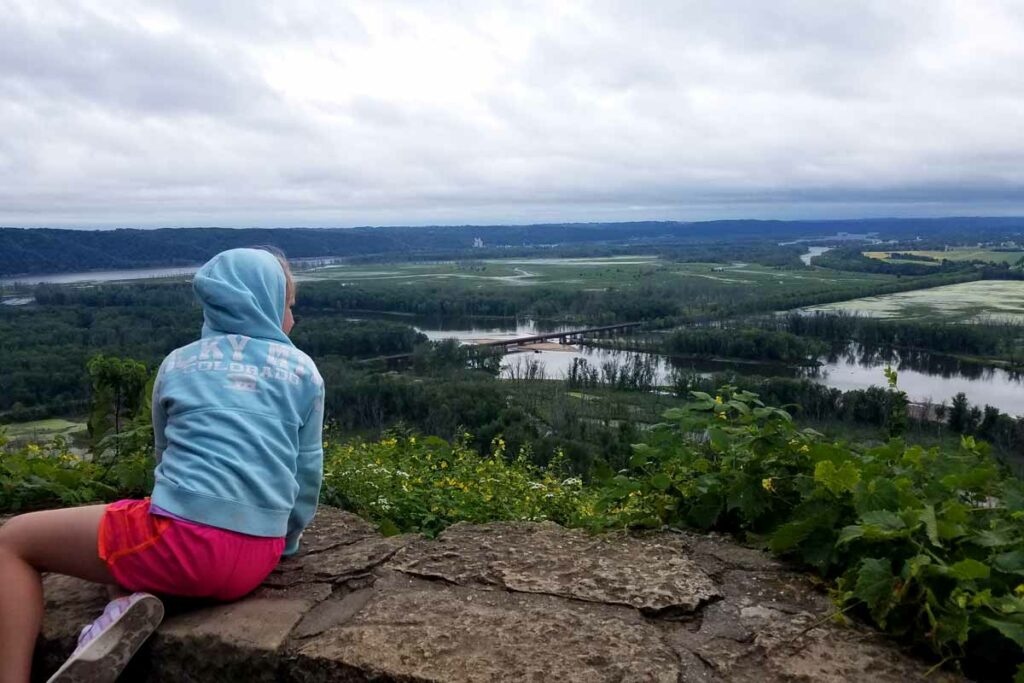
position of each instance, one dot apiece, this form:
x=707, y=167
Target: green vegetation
x=45, y=430
x=44, y=349
x=49, y=250
x=925, y=544
x=657, y=291
x=426, y=484
x=852, y=259
x=751, y=344
x=967, y=302
x=991, y=340
x=989, y=255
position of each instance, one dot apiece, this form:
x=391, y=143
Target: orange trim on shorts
x=137, y=522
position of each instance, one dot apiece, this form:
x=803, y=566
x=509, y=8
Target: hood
x=242, y=292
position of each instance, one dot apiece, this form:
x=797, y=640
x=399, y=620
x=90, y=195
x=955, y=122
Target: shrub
x=407, y=483
x=926, y=544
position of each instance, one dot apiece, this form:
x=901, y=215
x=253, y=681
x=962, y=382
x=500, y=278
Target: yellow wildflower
x=718, y=400
x=768, y=484
x=33, y=448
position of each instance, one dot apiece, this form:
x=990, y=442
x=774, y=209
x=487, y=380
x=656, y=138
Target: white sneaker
x=106, y=645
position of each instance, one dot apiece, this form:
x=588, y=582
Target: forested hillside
x=51, y=250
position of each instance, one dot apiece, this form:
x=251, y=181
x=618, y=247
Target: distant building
x=478, y=243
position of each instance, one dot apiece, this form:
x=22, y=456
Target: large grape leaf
x=875, y=584
x=837, y=479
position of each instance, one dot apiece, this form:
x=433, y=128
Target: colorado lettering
x=282, y=364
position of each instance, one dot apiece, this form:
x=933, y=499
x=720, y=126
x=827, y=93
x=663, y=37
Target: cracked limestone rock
x=502, y=602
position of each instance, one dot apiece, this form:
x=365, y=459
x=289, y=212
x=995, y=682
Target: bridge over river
x=517, y=343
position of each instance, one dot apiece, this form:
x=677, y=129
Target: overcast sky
x=337, y=113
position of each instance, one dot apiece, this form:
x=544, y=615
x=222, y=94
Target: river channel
x=925, y=377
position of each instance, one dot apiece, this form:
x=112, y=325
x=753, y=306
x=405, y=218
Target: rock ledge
x=503, y=601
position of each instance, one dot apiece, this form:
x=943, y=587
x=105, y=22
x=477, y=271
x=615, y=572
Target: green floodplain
x=586, y=274
x=1005, y=255
x=725, y=409
x=966, y=302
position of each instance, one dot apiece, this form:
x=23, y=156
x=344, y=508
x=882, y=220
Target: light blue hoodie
x=238, y=414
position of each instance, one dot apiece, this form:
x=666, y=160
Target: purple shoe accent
x=106, y=645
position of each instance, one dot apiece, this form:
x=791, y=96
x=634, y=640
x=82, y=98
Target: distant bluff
x=49, y=250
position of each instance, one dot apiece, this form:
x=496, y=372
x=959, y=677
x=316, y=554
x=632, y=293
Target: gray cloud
x=321, y=113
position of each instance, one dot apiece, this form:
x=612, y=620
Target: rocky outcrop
x=503, y=601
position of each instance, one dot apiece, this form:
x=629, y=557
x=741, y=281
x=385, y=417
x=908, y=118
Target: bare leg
x=62, y=541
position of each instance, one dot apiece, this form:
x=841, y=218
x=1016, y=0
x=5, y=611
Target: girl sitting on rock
x=237, y=422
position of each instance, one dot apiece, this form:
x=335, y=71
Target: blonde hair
x=289, y=281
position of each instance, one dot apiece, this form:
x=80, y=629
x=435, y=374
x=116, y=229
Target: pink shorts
x=170, y=556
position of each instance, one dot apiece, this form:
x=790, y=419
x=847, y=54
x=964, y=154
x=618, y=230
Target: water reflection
x=949, y=367
x=924, y=376
x=469, y=329
x=98, y=276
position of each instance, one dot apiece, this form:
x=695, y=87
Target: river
x=925, y=377
x=97, y=276
x=812, y=252
x=126, y=274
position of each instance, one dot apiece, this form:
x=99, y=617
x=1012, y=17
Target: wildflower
x=33, y=448
x=805, y=449
x=718, y=400
x=572, y=481
x=768, y=484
